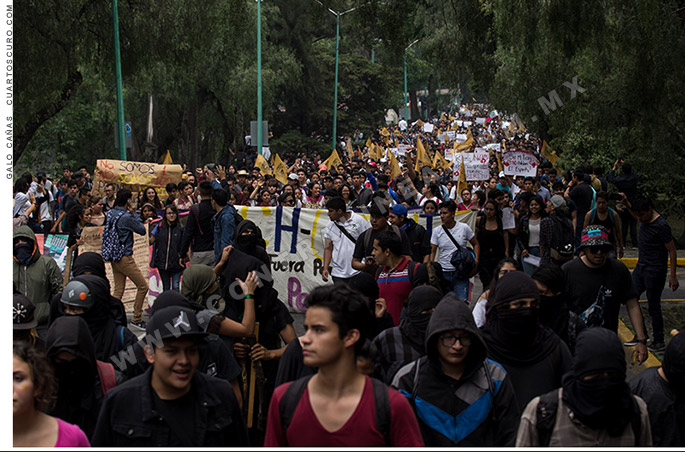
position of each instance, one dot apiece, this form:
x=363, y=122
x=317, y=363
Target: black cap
x=174, y=321
x=22, y=315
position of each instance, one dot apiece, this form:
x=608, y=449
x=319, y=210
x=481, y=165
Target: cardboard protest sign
x=92, y=237
x=519, y=163
x=476, y=165
x=134, y=176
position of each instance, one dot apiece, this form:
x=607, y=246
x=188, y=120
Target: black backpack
x=563, y=240
x=381, y=398
x=546, y=417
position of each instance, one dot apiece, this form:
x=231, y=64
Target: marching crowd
x=397, y=351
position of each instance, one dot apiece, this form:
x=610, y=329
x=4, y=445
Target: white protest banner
x=519, y=163
x=467, y=123
x=495, y=146
x=428, y=127
x=480, y=120
x=476, y=165
x=134, y=176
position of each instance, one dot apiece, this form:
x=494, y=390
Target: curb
x=625, y=335
x=631, y=262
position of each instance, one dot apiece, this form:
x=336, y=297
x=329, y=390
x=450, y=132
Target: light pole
x=260, y=140
x=405, y=78
x=337, y=49
x=120, y=90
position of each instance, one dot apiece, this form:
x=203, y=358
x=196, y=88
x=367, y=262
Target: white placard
x=519, y=163
x=480, y=120
x=476, y=165
x=428, y=127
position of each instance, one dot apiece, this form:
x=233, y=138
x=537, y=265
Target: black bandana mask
x=247, y=242
x=23, y=253
x=518, y=326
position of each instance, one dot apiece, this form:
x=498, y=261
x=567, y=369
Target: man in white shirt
x=402, y=124
x=340, y=237
x=440, y=240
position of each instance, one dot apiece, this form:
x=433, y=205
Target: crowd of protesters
x=396, y=350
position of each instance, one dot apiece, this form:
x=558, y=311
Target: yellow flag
x=397, y=143
x=167, y=158
x=386, y=140
x=350, y=152
x=442, y=117
x=333, y=161
x=419, y=123
x=368, y=143
x=263, y=165
x=461, y=182
x=549, y=154
x=439, y=161
x=385, y=132
x=422, y=158
x=394, y=165
x=279, y=169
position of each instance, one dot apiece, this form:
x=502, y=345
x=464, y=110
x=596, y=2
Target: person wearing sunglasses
x=597, y=286
x=460, y=397
x=286, y=199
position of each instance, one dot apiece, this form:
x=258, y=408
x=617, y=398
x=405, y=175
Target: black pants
x=628, y=223
x=651, y=281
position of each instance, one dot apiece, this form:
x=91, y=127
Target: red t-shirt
x=394, y=287
x=305, y=430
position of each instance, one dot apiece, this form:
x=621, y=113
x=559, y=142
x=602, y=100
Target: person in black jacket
x=199, y=233
x=418, y=237
x=172, y=404
x=461, y=398
x=248, y=239
x=167, y=237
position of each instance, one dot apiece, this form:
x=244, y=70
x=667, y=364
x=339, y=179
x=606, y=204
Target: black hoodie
x=460, y=412
x=79, y=394
x=253, y=245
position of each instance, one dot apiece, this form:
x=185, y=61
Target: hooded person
x=533, y=355
x=400, y=345
x=87, y=296
x=594, y=407
x=248, y=239
x=663, y=389
x=71, y=352
x=461, y=398
x=92, y=263
x=36, y=276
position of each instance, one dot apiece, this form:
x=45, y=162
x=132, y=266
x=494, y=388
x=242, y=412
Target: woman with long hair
x=78, y=218
x=347, y=194
x=150, y=197
x=185, y=197
x=33, y=394
x=493, y=243
x=97, y=216
x=528, y=238
x=313, y=199
x=166, y=238
x=504, y=266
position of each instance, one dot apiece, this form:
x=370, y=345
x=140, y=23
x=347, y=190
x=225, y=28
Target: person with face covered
x=400, y=345
x=248, y=239
x=533, y=355
x=554, y=312
x=36, y=276
x=663, y=389
x=71, y=352
x=460, y=397
x=594, y=406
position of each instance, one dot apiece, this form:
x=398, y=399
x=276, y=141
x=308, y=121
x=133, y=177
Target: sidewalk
x=630, y=258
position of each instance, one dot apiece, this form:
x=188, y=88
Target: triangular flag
x=368, y=143
x=333, y=160
x=499, y=158
x=350, y=152
x=167, y=158
x=395, y=169
x=461, y=181
x=385, y=132
x=419, y=123
x=279, y=169
x=422, y=158
x=439, y=162
x=263, y=165
x=549, y=154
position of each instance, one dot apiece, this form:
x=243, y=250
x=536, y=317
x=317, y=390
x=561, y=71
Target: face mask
x=23, y=253
x=74, y=374
x=519, y=326
x=247, y=241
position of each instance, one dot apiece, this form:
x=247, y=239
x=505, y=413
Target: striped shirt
x=394, y=286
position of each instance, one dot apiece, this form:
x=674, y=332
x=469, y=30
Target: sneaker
x=656, y=346
x=139, y=324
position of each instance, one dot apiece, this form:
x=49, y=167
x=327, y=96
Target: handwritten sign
x=134, y=176
x=519, y=163
x=428, y=127
x=476, y=165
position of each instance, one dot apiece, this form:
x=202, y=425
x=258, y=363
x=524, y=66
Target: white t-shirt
x=534, y=229
x=461, y=233
x=45, y=214
x=343, y=247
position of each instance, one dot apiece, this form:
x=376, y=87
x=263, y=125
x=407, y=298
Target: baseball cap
x=594, y=235
x=292, y=176
x=22, y=315
x=558, y=201
x=174, y=321
x=501, y=174
x=399, y=210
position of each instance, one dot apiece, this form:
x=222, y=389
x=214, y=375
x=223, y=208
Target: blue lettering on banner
x=429, y=223
x=292, y=229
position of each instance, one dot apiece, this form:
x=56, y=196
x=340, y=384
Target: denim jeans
x=459, y=286
x=651, y=281
x=170, y=280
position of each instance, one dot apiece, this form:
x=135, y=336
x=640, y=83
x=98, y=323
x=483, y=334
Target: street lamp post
x=405, y=78
x=120, y=90
x=260, y=140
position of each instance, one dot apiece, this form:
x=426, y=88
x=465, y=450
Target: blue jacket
x=126, y=226
x=224, y=227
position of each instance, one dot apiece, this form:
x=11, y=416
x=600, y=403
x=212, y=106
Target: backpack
x=112, y=248
x=463, y=259
x=546, y=417
x=367, y=234
x=563, y=239
x=108, y=379
x=381, y=399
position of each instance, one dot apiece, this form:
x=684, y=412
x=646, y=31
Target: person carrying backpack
x=338, y=406
x=117, y=248
x=594, y=406
x=556, y=233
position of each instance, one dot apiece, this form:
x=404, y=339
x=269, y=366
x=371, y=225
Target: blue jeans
x=459, y=286
x=651, y=281
x=170, y=280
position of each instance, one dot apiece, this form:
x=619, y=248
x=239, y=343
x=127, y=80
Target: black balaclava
x=414, y=325
x=604, y=402
x=90, y=262
x=24, y=252
x=516, y=326
x=674, y=364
